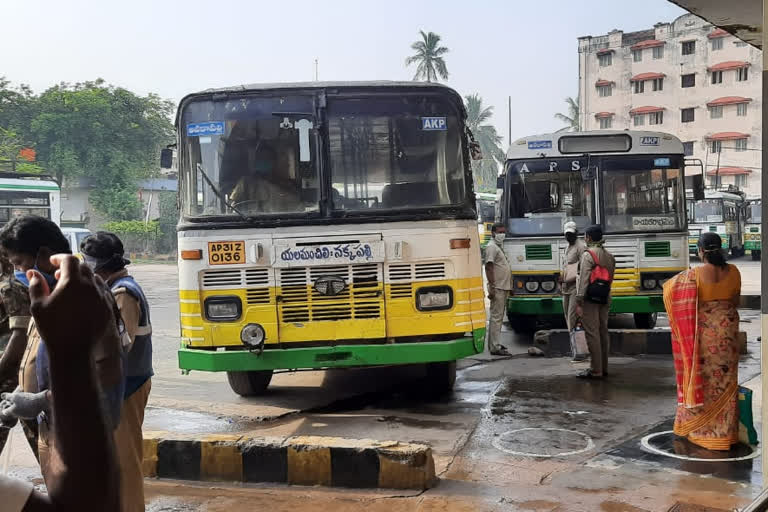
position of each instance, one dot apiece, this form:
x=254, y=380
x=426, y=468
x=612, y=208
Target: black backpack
x=599, y=287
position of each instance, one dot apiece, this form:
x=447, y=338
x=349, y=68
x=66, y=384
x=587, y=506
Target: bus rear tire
x=646, y=320
x=755, y=255
x=441, y=377
x=249, y=383
x=523, y=324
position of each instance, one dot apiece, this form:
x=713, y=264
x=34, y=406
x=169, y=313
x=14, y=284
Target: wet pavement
x=518, y=433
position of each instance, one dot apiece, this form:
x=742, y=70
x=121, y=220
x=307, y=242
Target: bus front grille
x=301, y=302
x=400, y=277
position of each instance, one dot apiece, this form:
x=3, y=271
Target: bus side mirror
x=474, y=151
x=166, y=158
x=695, y=184
x=500, y=181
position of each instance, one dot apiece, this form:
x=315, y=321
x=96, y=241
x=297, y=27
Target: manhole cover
x=543, y=442
x=669, y=445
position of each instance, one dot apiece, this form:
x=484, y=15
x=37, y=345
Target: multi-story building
x=686, y=78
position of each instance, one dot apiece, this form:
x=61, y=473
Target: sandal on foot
x=501, y=351
x=588, y=374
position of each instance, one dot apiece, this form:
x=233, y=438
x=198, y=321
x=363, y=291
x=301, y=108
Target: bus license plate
x=226, y=253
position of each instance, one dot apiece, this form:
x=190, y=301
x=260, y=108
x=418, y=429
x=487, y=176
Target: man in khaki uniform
x=573, y=254
x=594, y=317
x=499, y=275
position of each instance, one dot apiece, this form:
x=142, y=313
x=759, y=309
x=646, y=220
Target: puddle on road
x=185, y=422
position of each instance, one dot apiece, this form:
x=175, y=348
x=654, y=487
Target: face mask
x=499, y=237
x=21, y=276
x=571, y=237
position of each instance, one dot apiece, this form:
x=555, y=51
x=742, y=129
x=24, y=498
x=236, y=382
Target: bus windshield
x=486, y=210
x=754, y=212
x=545, y=194
x=641, y=195
x=395, y=152
x=708, y=210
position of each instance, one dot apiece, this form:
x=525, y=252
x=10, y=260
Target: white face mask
x=499, y=237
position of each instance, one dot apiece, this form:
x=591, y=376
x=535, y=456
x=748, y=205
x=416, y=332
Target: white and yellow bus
x=631, y=183
x=29, y=194
x=752, y=230
x=327, y=225
x=486, y=215
x=721, y=212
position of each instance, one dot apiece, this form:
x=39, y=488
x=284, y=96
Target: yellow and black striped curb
x=303, y=460
x=628, y=342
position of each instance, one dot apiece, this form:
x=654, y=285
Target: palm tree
x=478, y=118
x=429, y=57
x=572, y=119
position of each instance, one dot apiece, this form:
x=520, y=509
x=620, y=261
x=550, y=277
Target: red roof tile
x=648, y=43
x=718, y=33
x=604, y=114
x=646, y=76
x=645, y=110
x=728, y=136
x=605, y=50
x=729, y=64
x=601, y=83
x=728, y=100
x=729, y=171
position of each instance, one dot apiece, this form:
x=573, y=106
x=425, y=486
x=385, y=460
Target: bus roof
x=548, y=144
x=27, y=184
x=716, y=194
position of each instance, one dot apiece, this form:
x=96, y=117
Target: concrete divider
x=628, y=342
x=302, y=460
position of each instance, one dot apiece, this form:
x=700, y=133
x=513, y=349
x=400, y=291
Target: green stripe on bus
x=29, y=187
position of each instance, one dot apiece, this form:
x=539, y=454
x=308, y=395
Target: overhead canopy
x=728, y=100
x=729, y=64
x=718, y=32
x=742, y=18
x=728, y=136
x=646, y=76
x=645, y=110
x=729, y=171
x=605, y=50
x=648, y=43
x=604, y=114
x=601, y=83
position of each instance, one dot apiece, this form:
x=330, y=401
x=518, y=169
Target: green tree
x=17, y=108
x=429, y=58
x=10, y=151
x=104, y=133
x=486, y=170
x=572, y=119
x=168, y=218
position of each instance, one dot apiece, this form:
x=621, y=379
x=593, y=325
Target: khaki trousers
x=130, y=449
x=595, y=323
x=498, y=308
x=569, y=310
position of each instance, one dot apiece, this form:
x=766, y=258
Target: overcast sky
x=498, y=48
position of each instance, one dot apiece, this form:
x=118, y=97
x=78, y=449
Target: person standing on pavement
x=499, y=275
x=591, y=310
x=103, y=252
x=570, y=272
x=15, y=316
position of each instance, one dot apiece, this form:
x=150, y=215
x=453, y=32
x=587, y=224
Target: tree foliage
x=136, y=235
x=486, y=170
x=428, y=58
x=572, y=119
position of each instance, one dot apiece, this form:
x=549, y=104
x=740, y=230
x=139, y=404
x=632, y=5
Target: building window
x=716, y=112
x=688, y=80
x=606, y=123
x=688, y=148
x=717, y=44
x=658, y=84
x=713, y=181
x=740, y=44
x=639, y=120
x=605, y=59
x=639, y=87
x=717, y=77
x=656, y=118
x=604, y=90
x=740, y=145
x=658, y=52
x=741, y=109
x=741, y=180
x=716, y=146
x=637, y=55
x=742, y=74
x=689, y=47
x=687, y=115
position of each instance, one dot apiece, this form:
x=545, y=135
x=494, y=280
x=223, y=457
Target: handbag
x=579, y=346
x=747, y=432
x=571, y=273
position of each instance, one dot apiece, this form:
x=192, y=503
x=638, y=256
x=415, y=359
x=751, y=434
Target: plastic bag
x=579, y=346
x=747, y=432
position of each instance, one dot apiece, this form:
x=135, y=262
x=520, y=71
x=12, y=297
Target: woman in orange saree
x=701, y=305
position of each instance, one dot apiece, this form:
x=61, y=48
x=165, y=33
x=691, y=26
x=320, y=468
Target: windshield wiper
x=218, y=193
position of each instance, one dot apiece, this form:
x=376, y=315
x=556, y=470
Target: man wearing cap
x=499, y=275
x=104, y=253
x=570, y=272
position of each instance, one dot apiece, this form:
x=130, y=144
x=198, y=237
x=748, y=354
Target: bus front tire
x=755, y=255
x=441, y=376
x=249, y=383
x=646, y=320
x=523, y=324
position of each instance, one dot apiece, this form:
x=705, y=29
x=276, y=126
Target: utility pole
x=509, y=122
x=316, y=70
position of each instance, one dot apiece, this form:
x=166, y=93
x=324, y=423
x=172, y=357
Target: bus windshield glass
x=642, y=194
x=251, y=156
x=754, y=212
x=545, y=194
x=390, y=152
x=486, y=210
x=708, y=210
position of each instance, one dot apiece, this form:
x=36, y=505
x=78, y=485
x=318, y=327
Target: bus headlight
x=434, y=298
x=649, y=284
x=532, y=286
x=548, y=286
x=223, y=309
x=252, y=335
